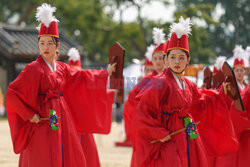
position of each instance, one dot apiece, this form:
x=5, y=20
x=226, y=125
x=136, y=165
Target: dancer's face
x=158, y=61
x=177, y=60
x=239, y=72
x=47, y=46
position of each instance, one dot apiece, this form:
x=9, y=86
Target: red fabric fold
x=208, y=107
x=131, y=104
x=38, y=144
x=88, y=101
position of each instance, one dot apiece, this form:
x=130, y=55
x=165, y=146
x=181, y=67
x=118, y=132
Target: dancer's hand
x=35, y=119
x=111, y=68
x=226, y=87
x=204, y=85
x=167, y=138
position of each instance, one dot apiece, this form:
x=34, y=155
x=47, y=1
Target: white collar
x=50, y=67
x=241, y=85
x=178, y=81
x=157, y=71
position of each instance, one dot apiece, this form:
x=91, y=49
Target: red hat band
x=52, y=30
x=238, y=62
x=176, y=43
x=161, y=48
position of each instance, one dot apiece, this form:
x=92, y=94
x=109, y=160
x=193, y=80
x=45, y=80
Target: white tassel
x=238, y=52
x=73, y=54
x=149, y=53
x=158, y=36
x=44, y=14
x=219, y=62
x=183, y=27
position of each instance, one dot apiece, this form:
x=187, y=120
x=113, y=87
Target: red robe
x=131, y=104
x=89, y=149
x=161, y=111
x=37, y=90
x=240, y=123
x=88, y=142
x=243, y=158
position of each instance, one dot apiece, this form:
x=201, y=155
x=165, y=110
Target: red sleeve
x=226, y=97
x=110, y=99
x=21, y=103
x=148, y=115
x=241, y=119
x=128, y=112
x=216, y=128
x=127, y=117
x=246, y=100
x=131, y=105
x=86, y=95
x=148, y=124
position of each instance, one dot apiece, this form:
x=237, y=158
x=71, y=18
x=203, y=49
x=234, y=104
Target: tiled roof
x=21, y=44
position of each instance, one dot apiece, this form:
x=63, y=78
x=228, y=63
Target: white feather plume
x=183, y=27
x=238, y=52
x=158, y=36
x=219, y=62
x=149, y=53
x=73, y=54
x=38, y=27
x=44, y=14
x=248, y=50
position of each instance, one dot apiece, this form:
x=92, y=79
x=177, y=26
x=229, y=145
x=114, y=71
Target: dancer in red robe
x=162, y=110
x=243, y=157
x=240, y=119
x=218, y=80
x=45, y=138
x=87, y=140
x=239, y=67
x=154, y=57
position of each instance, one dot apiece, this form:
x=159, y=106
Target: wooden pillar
x=9, y=65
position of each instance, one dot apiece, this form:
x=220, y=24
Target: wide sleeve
x=216, y=128
x=86, y=95
x=129, y=110
x=131, y=105
x=246, y=100
x=148, y=115
x=149, y=123
x=21, y=103
x=110, y=101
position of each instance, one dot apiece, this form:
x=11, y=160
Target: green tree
x=234, y=24
x=21, y=9
x=141, y=22
x=86, y=22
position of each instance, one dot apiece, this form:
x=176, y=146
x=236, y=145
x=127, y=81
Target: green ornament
x=190, y=128
x=53, y=119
